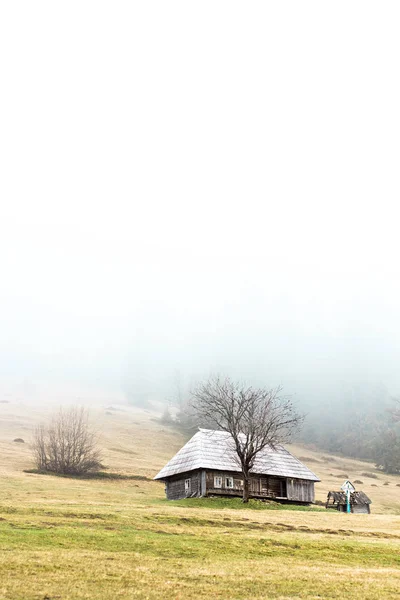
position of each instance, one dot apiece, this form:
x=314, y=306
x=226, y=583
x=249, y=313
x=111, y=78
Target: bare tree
x=255, y=418
x=395, y=412
x=67, y=445
x=177, y=396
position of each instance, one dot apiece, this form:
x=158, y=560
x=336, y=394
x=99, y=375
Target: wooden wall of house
x=237, y=481
x=300, y=490
x=202, y=483
x=175, y=486
x=361, y=509
x=268, y=485
x=261, y=486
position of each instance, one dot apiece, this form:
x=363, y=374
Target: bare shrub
x=67, y=445
x=370, y=475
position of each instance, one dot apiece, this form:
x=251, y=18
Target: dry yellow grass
x=106, y=539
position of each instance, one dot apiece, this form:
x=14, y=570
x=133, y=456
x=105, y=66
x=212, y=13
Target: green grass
x=237, y=504
x=160, y=538
x=140, y=552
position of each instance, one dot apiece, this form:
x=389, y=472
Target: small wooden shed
x=359, y=502
x=208, y=465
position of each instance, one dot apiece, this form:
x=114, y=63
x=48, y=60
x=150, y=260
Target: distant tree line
x=387, y=447
x=365, y=425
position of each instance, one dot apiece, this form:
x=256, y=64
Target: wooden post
x=203, y=484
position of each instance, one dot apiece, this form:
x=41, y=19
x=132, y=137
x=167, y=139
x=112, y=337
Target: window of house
x=229, y=482
x=188, y=485
x=217, y=482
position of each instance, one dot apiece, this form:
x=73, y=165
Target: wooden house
x=359, y=502
x=208, y=465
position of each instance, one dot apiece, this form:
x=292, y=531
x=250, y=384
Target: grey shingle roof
x=209, y=449
x=355, y=498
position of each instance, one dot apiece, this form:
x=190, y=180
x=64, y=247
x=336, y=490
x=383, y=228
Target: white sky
x=215, y=183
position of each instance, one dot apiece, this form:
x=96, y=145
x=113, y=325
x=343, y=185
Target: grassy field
x=111, y=538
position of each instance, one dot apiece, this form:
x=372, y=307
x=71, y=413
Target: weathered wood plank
x=204, y=482
x=175, y=488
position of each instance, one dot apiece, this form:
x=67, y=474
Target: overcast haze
x=200, y=187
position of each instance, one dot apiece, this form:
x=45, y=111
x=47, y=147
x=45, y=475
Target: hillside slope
x=135, y=442
x=103, y=539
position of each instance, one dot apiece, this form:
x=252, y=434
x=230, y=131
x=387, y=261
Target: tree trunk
x=246, y=485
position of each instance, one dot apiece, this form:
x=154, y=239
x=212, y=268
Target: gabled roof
x=355, y=498
x=209, y=449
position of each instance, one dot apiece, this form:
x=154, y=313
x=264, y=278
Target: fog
x=190, y=189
